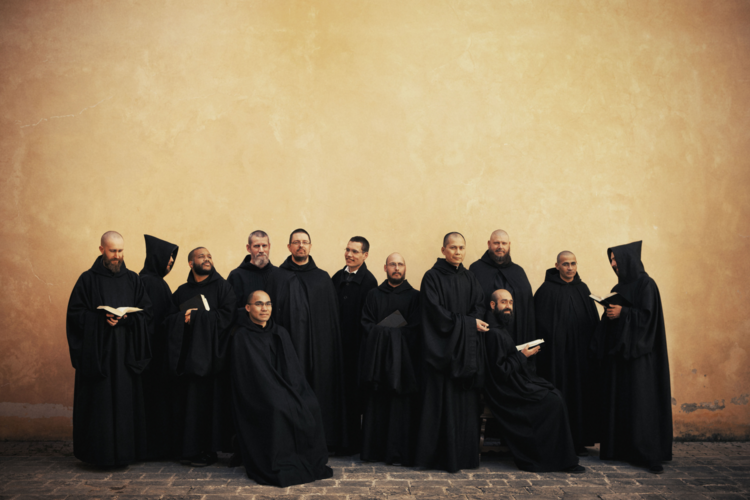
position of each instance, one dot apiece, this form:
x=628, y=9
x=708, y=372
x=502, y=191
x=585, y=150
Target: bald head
x=112, y=248
x=110, y=235
x=565, y=254
x=258, y=295
x=500, y=295
x=499, y=233
x=258, y=307
x=395, y=269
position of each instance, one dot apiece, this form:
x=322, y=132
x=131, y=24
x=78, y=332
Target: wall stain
x=741, y=400
x=691, y=407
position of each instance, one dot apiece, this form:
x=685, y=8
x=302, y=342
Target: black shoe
x=203, y=459
x=576, y=469
x=582, y=452
x=656, y=469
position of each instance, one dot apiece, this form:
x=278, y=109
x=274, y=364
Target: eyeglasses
x=261, y=304
x=300, y=243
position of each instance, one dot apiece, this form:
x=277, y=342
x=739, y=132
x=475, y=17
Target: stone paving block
x=421, y=490
x=278, y=497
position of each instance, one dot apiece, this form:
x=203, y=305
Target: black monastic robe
x=158, y=382
x=452, y=301
x=509, y=276
x=351, y=295
x=636, y=394
x=247, y=278
x=109, y=423
x=276, y=414
x=533, y=421
x=305, y=304
x=566, y=318
x=197, y=354
x=388, y=375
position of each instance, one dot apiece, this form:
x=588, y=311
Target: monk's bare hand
x=530, y=352
x=613, y=312
x=112, y=319
x=187, y=314
x=482, y=326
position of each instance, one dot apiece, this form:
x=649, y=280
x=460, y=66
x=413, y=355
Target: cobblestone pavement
x=46, y=470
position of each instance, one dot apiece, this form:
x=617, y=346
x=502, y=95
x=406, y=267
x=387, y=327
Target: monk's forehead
x=260, y=295
x=395, y=257
x=500, y=235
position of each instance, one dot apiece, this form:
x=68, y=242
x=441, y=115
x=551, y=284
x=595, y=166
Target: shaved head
x=395, y=256
x=110, y=235
x=500, y=294
x=499, y=233
x=192, y=253
x=565, y=253
x=258, y=295
x=453, y=234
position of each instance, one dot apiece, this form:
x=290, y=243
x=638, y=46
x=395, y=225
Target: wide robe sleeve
x=639, y=325
x=386, y=357
x=199, y=348
x=450, y=341
x=501, y=362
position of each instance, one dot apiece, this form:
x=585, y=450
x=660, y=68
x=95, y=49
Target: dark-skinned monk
x=496, y=270
x=390, y=368
x=109, y=352
x=531, y=413
x=631, y=344
x=198, y=340
x=352, y=284
x=158, y=382
x=566, y=319
x=305, y=304
x=276, y=414
x=452, y=312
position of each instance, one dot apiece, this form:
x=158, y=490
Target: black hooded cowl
x=566, y=318
x=158, y=385
x=351, y=298
x=531, y=413
x=305, y=304
x=388, y=375
x=197, y=354
x=490, y=274
x=452, y=301
x=247, y=278
x=637, y=410
x=109, y=424
x=276, y=414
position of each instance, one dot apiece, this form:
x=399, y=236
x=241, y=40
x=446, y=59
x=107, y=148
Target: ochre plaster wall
x=573, y=125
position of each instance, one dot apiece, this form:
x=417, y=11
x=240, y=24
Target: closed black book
x=198, y=302
x=394, y=320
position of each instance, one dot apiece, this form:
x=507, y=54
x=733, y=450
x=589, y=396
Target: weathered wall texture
x=573, y=125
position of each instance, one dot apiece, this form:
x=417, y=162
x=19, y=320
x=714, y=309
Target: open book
x=530, y=345
x=606, y=300
x=120, y=311
x=197, y=302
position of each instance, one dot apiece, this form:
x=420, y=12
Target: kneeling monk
x=276, y=413
x=531, y=412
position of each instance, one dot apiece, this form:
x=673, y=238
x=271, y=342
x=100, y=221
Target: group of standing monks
x=283, y=366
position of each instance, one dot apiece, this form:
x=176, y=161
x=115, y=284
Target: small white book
x=120, y=311
x=530, y=345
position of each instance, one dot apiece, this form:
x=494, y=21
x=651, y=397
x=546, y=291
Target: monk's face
x=395, y=269
x=567, y=267
x=455, y=250
x=354, y=255
x=504, y=303
x=113, y=253
x=499, y=245
x=202, y=262
x=300, y=247
x=259, y=250
x=613, y=263
x=258, y=308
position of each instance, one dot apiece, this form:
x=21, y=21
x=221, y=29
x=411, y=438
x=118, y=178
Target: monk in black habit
x=452, y=308
x=252, y=273
x=632, y=345
x=352, y=284
x=158, y=382
x=275, y=411
x=197, y=354
x=533, y=421
x=108, y=353
x=566, y=318
x=390, y=363
x=305, y=304
x=496, y=270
